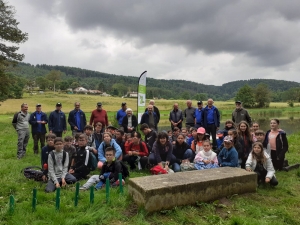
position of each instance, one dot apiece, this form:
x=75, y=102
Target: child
x=110, y=169
x=193, y=135
x=228, y=155
x=119, y=139
x=220, y=135
x=229, y=124
x=170, y=134
x=79, y=167
x=245, y=139
x=97, y=135
x=58, y=168
x=184, y=132
x=254, y=128
x=88, y=130
x=260, y=137
x=196, y=145
x=260, y=162
x=128, y=140
x=69, y=148
x=176, y=131
x=206, y=159
x=45, y=153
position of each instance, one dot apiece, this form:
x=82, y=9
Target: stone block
x=160, y=192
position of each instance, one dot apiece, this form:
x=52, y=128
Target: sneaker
x=82, y=188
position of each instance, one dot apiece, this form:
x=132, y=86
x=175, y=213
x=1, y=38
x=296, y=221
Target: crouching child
x=58, y=162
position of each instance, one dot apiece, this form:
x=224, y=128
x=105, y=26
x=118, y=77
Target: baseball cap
x=220, y=133
x=99, y=104
x=228, y=139
x=38, y=105
x=201, y=130
x=58, y=104
x=123, y=103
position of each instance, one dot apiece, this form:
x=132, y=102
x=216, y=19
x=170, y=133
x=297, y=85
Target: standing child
x=58, y=162
x=260, y=162
x=69, y=148
x=206, y=159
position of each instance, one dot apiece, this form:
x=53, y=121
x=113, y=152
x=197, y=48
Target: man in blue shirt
x=77, y=119
x=38, y=121
x=198, y=115
x=121, y=113
x=211, y=120
x=57, y=123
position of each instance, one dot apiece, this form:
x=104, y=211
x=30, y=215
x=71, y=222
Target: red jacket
x=99, y=116
x=137, y=148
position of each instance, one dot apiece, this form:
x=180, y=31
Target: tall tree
x=11, y=34
x=262, y=95
x=42, y=82
x=54, y=76
x=245, y=95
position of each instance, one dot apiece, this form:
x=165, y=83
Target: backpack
x=125, y=171
x=33, y=172
x=53, y=157
x=90, y=160
x=156, y=170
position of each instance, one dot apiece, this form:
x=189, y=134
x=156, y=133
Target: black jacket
x=179, y=150
x=125, y=123
x=114, y=169
x=72, y=119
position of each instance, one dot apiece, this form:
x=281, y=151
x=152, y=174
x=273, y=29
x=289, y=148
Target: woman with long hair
x=245, y=139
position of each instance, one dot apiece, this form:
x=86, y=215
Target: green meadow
x=276, y=206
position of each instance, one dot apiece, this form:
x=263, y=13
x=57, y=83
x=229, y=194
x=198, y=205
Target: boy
x=176, y=131
x=97, y=135
x=228, y=155
x=220, y=139
x=58, y=168
x=193, y=137
x=150, y=135
x=119, y=139
x=260, y=137
x=45, y=153
x=184, y=132
x=88, y=130
x=110, y=169
x=79, y=167
x=69, y=148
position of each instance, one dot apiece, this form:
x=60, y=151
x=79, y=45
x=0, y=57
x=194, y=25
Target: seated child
x=196, y=145
x=79, y=167
x=185, y=133
x=260, y=137
x=220, y=139
x=206, y=159
x=260, y=162
x=228, y=155
x=110, y=169
x=45, y=153
x=170, y=134
x=69, y=148
x=97, y=135
x=58, y=168
x=88, y=130
x=176, y=131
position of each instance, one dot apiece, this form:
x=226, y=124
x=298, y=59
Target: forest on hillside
x=118, y=85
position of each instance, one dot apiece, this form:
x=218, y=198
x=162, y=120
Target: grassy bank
x=278, y=205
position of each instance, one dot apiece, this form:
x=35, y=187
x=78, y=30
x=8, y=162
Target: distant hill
x=119, y=84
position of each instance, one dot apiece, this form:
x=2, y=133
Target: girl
x=196, y=145
x=182, y=152
x=136, y=151
x=97, y=135
x=254, y=128
x=229, y=124
x=162, y=151
x=108, y=142
x=245, y=139
x=276, y=140
x=128, y=140
x=260, y=162
x=206, y=159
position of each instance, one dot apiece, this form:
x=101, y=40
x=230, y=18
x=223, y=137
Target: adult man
x=38, y=121
x=21, y=123
x=150, y=118
x=211, y=120
x=150, y=135
x=129, y=122
x=189, y=114
x=57, y=121
x=176, y=117
x=99, y=115
x=77, y=119
x=240, y=114
x=155, y=109
x=198, y=115
x=121, y=113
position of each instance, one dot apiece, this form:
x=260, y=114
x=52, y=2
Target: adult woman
x=162, y=151
x=182, y=152
x=245, y=139
x=129, y=122
x=108, y=142
x=277, y=141
x=136, y=151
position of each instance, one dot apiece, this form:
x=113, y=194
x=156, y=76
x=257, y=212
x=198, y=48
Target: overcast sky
x=209, y=41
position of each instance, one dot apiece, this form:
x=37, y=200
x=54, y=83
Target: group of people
x=239, y=144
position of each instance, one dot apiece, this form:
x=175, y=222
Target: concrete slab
x=166, y=191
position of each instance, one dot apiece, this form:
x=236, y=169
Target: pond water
x=289, y=125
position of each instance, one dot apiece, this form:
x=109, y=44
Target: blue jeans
x=187, y=155
x=101, y=182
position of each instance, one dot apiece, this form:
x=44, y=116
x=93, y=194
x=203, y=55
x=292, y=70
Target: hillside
x=119, y=85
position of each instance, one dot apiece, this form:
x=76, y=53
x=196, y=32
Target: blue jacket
x=73, y=121
x=120, y=116
x=216, y=116
x=198, y=116
x=228, y=157
x=57, y=121
x=102, y=147
x=145, y=119
x=34, y=124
